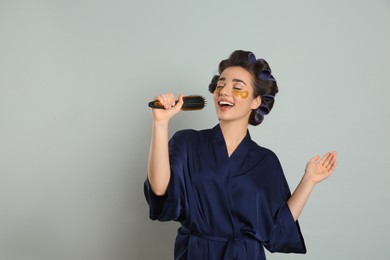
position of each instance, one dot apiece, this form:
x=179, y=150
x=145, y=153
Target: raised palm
x=318, y=169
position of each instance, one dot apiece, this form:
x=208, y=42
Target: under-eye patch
x=235, y=92
x=240, y=93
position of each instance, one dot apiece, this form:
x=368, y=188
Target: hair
x=264, y=84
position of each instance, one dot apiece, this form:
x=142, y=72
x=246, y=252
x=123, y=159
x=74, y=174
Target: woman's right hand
x=159, y=171
x=170, y=108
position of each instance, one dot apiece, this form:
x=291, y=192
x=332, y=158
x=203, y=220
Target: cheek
x=215, y=96
x=240, y=93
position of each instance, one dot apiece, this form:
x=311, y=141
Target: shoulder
x=264, y=154
x=185, y=133
x=191, y=135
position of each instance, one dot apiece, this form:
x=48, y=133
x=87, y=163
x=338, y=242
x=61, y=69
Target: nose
x=225, y=91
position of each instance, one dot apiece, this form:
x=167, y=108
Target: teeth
x=226, y=103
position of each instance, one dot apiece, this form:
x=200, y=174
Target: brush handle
x=190, y=103
x=158, y=105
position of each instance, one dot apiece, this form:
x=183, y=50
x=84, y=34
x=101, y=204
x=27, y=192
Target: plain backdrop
x=75, y=80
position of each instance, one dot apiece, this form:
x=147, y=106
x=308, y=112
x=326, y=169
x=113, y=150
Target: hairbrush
x=193, y=102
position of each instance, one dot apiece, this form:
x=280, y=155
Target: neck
x=233, y=133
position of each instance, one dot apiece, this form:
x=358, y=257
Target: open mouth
x=225, y=104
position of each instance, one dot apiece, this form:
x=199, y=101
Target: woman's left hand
x=318, y=169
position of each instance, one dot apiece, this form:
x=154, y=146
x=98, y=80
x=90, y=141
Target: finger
x=172, y=101
x=326, y=160
x=314, y=159
x=167, y=100
x=331, y=158
x=161, y=100
x=333, y=167
x=181, y=98
x=180, y=102
x=333, y=162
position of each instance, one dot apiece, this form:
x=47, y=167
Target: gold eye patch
x=240, y=93
x=217, y=91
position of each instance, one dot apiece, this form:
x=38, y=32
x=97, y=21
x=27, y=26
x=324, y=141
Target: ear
x=256, y=102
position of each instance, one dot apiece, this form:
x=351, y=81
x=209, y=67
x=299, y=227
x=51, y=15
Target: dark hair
x=263, y=82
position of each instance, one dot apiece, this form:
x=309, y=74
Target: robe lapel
x=236, y=162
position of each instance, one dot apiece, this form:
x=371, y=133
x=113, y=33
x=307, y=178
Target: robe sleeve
x=169, y=206
x=286, y=235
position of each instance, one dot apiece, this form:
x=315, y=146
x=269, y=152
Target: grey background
x=75, y=77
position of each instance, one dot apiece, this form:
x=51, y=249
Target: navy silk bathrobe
x=228, y=207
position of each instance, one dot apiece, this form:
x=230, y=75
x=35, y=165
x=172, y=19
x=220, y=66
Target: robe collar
x=240, y=152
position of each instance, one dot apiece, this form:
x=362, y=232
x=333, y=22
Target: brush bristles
x=193, y=102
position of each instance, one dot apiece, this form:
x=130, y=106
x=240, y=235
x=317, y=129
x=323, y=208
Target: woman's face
x=233, y=96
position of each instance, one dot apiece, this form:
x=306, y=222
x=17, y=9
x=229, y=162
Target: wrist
x=308, y=181
x=161, y=123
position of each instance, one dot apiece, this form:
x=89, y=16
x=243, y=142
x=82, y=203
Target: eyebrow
x=234, y=80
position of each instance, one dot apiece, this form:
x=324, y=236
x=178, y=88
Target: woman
x=229, y=194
